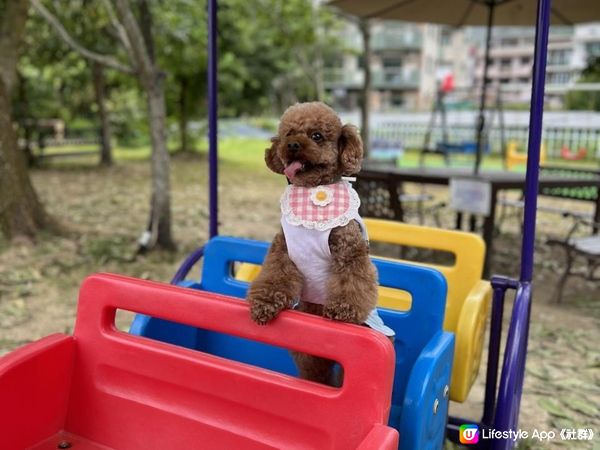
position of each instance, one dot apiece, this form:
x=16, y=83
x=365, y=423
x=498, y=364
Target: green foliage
x=584, y=100
x=270, y=55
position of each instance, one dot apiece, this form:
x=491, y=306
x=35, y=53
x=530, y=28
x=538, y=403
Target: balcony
x=396, y=40
x=343, y=78
x=382, y=79
x=395, y=79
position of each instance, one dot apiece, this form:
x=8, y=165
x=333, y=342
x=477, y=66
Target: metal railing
x=389, y=78
x=412, y=135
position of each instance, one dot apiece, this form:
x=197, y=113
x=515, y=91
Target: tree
x=181, y=46
x=99, y=82
x=586, y=100
x=74, y=89
x=136, y=39
x=271, y=53
x=365, y=98
x=21, y=213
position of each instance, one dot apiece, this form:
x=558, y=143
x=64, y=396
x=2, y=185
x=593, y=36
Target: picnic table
x=498, y=181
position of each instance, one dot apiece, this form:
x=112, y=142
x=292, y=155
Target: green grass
x=120, y=153
x=249, y=153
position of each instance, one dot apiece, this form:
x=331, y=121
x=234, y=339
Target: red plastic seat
x=106, y=389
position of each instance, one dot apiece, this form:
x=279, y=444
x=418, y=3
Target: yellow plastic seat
x=515, y=158
x=469, y=296
x=247, y=272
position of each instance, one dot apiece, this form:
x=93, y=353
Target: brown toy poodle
x=319, y=263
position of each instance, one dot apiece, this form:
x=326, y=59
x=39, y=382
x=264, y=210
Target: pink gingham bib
x=322, y=207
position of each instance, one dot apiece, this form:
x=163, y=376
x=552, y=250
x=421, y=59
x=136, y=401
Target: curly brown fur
x=314, y=368
x=352, y=285
x=277, y=286
x=313, y=148
x=325, y=160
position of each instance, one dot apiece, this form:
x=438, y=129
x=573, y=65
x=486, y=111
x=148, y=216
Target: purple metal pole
x=513, y=368
x=500, y=286
x=535, y=138
x=213, y=201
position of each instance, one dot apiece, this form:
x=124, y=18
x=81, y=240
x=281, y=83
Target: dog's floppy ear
x=350, y=150
x=271, y=158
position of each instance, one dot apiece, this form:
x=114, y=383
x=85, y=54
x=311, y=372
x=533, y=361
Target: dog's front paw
x=342, y=311
x=265, y=305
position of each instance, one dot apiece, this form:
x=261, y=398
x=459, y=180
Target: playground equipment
x=423, y=350
x=514, y=158
x=96, y=383
x=566, y=153
x=469, y=297
x=468, y=300
x=445, y=148
x=386, y=150
x=105, y=389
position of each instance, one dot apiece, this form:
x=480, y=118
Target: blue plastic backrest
x=414, y=328
x=219, y=255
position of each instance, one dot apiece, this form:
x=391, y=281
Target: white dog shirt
x=307, y=217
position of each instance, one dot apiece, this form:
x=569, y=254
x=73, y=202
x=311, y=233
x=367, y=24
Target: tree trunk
x=365, y=28
x=106, y=158
x=161, y=198
x=21, y=213
x=183, y=114
x=152, y=80
x=13, y=15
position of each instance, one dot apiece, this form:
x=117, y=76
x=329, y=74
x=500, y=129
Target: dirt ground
x=105, y=211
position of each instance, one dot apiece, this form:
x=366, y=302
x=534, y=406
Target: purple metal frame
x=535, y=137
x=212, y=120
x=501, y=410
x=513, y=368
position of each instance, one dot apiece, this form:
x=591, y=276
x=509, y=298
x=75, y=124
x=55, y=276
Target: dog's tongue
x=292, y=169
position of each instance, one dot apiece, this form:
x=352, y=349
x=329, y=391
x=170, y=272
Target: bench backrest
x=468, y=250
x=414, y=328
x=127, y=390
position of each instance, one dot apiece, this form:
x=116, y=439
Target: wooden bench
x=38, y=137
x=42, y=156
x=386, y=150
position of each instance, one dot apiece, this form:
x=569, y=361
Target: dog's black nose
x=293, y=146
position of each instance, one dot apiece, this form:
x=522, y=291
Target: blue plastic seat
x=424, y=352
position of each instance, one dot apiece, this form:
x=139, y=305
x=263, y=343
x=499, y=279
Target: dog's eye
x=316, y=136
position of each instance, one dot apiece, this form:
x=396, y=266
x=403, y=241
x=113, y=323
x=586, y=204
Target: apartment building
x=511, y=61
x=397, y=66
x=409, y=60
